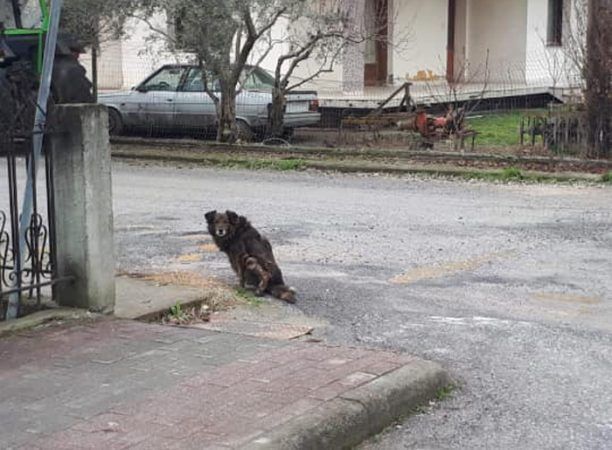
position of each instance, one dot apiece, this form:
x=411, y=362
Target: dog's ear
x=210, y=216
x=232, y=217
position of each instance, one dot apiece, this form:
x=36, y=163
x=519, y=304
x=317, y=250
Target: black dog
x=250, y=254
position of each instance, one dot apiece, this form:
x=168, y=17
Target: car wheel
x=244, y=132
x=115, y=123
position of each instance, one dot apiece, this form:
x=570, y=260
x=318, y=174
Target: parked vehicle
x=174, y=98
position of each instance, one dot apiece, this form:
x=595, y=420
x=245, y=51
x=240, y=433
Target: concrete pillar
x=83, y=207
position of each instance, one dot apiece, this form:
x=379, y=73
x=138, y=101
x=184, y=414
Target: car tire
x=244, y=132
x=115, y=122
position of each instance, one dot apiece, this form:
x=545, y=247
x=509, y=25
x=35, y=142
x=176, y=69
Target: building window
x=555, y=22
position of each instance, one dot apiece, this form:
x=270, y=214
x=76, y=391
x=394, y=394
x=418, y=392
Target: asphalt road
x=508, y=286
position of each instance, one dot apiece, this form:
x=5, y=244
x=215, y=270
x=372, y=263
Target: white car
x=173, y=98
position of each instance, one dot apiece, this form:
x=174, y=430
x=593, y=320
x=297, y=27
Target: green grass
x=511, y=173
x=607, y=177
x=499, y=129
x=249, y=297
x=282, y=165
x=507, y=174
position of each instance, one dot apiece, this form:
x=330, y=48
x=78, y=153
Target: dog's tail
x=283, y=292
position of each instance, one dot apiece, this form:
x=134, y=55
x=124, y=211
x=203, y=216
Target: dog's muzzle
x=221, y=233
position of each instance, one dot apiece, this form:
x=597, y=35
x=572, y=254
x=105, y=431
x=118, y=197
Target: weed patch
x=445, y=392
x=511, y=173
x=185, y=315
x=249, y=297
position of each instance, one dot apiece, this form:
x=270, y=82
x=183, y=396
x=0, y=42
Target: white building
x=514, y=45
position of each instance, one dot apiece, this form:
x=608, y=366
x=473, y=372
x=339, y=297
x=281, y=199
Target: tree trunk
x=227, y=131
x=276, y=117
x=598, y=92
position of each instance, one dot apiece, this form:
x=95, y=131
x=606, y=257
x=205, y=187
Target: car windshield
x=21, y=13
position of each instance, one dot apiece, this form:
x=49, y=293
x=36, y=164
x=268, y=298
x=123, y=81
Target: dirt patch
x=183, y=278
x=208, y=248
x=187, y=314
x=567, y=298
x=446, y=269
x=215, y=296
x=190, y=257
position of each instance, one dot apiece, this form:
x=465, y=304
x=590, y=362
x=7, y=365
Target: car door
x=194, y=108
x=253, y=98
x=153, y=101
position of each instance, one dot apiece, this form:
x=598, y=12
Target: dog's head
x=222, y=225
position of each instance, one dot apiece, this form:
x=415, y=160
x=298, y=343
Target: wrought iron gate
x=24, y=281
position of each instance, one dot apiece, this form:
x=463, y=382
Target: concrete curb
x=345, y=167
x=302, y=152
x=360, y=413
x=41, y=317
x=142, y=300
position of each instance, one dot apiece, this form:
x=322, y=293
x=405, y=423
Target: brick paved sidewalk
x=116, y=384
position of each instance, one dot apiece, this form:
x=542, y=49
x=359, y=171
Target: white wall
x=110, y=59
x=514, y=32
x=419, y=39
x=127, y=62
x=548, y=65
x=499, y=27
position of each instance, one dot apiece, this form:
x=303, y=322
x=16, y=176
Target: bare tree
x=313, y=33
x=94, y=22
x=222, y=36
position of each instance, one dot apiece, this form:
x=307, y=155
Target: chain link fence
x=501, y=100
